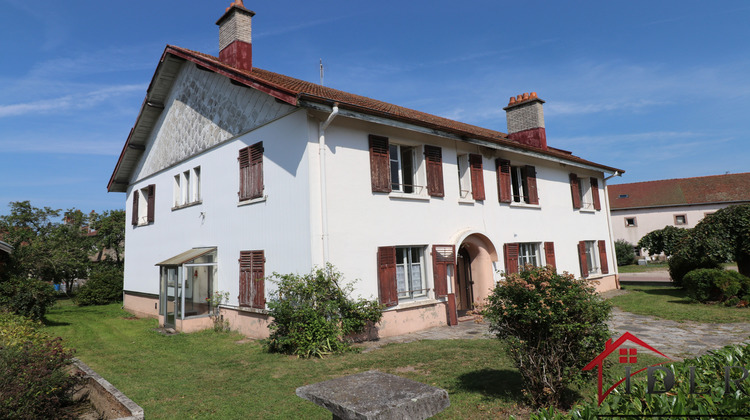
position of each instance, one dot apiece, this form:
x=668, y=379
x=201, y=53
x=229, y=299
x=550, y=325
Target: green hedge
x=717, y=285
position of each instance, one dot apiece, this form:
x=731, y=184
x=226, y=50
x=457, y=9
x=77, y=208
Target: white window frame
x=530, y=253
x=405, y=274
x=143, y=206
x=587, y=197
x=517, y=185
x=464, y=177
x=592, y=258
x=187, y=188
x=634, y=224
x=418, y=178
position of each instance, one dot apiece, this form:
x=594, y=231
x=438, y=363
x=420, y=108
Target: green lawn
x=225, y=376
x=669, y=302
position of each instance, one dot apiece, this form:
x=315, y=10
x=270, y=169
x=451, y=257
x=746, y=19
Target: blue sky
x=658, y=88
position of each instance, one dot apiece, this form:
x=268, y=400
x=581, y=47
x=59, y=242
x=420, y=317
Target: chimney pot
x=525, y=96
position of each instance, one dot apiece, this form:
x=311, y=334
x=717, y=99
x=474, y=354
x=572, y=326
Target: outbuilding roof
x=304, y=94
x=729, y=188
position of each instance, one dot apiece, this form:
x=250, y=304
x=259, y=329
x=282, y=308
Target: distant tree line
x=55, y=247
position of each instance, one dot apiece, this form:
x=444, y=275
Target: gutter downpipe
x=323, y=183
x=609, y=226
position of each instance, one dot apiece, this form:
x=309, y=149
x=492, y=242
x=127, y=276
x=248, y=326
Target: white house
x=642, y=207
x=232, y=172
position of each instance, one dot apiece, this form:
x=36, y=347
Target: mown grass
x=210, y=375
x=635, y=268
x=669, y=302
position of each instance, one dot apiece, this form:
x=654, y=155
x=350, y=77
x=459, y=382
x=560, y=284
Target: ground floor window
x=528, y=253
x=410, y=278
x=592, y=257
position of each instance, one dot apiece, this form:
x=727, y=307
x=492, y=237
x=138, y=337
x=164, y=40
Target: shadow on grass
x=493, y=383
x=669, y=291
x=49, y=323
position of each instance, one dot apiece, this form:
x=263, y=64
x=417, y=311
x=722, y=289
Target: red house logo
x=627, y=356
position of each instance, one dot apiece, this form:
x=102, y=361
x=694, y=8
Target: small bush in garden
x=624, y=252
x=28, y=297
x=711, y=285
x=34, y=378
x=312, y=314
x=707, y=400
x=104, y=285
x=553, y=324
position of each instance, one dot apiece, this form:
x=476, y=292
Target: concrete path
x=677, y=340
x=649, y=276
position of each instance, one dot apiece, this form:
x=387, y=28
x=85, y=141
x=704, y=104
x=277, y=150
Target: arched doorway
x=474, y=271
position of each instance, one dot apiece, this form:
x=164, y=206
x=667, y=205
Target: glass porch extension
x=187, y=282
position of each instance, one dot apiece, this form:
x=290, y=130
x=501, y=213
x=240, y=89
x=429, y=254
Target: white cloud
x=69, y=102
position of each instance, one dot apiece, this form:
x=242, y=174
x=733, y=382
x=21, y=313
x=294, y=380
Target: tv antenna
x=321, y=72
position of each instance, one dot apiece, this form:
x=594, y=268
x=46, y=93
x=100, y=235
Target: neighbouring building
x=232, y=173
x=642, y=207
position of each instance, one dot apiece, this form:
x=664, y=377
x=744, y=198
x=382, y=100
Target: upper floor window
x=405, y=169
x=251, y=172
x=471, y=176
x=630, y=222
x=187, y=187
x=144, y=200
x=516, y=184
x=585, y=192
x=680, y=219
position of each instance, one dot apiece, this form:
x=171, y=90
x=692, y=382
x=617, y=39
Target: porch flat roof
x=186, y=256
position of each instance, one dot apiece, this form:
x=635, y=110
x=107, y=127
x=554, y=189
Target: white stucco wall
x=279, y=225
x=361, y=221
x=651, y=219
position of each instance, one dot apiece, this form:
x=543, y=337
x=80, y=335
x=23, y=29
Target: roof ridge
x=679, y=179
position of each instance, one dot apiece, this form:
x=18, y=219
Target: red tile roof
x=730, y=188
x=293, y=90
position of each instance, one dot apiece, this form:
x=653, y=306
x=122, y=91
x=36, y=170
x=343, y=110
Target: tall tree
x=110, y=232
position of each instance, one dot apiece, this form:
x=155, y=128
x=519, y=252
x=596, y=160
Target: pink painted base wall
x=404, y=321
x=142, y=307
x=606, y=283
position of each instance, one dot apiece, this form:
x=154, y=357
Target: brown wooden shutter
x=252, y=283
x=549, y=253
x=151, y=203
x=511, y=258
x=251, y=172
x=380, y=165
x=603, y=257
x=595, y=193
x=530, y=181
x=502, y=167
x=387, y=275
x=434, y=158
x=442, y=257
x=582, y=259
x=575, y=191
x=134, y=216
x=477, y=176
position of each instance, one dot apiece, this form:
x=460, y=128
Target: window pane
x=407, y=170
x=395, y=168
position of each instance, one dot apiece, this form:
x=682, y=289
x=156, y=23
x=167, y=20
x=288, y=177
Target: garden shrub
x=624, y=252
x=104, y=285
x=34, y=378
x=28, y=297
x=710, y=285
x=712, y=402
x=312, y=314
x=665, y=240
x=553, y=324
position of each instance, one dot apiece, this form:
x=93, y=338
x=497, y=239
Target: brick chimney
x=526, y=120
x=235, y=41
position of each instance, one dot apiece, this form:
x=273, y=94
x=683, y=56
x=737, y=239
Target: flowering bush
x=34, y=378
x=553, y=325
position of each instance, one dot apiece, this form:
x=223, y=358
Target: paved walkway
x=678, y=340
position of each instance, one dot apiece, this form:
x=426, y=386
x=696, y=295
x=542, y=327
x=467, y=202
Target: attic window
x=622, y=196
